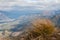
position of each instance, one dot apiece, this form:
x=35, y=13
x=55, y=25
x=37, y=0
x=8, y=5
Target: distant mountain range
x=56, y=18
x=4, y=18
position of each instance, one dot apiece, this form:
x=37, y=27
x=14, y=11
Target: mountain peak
x=4, y=18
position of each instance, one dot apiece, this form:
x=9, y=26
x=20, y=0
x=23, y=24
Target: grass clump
x=42, y=28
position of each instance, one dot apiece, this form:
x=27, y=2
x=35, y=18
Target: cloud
x=7, y=0
x=35, y=4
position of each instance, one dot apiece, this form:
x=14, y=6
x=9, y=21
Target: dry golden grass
x=41, y=27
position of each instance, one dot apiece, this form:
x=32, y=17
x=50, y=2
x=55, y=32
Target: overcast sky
x=24, y=4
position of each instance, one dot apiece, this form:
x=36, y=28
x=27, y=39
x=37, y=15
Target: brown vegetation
x=42, y=29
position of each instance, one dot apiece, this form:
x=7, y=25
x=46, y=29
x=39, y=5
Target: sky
x=15, y=8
